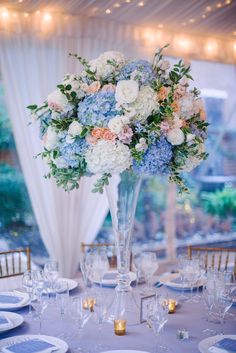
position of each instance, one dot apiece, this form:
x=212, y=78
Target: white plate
x=113, y=281
x=14, y=318
x=71, y=283
x=205, y=344
x=11, y=307
x=124, y=351
x=62, y=346
x=168, y=279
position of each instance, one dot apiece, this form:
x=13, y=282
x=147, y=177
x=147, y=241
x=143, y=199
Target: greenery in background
x=221, y=203
x=6, y=138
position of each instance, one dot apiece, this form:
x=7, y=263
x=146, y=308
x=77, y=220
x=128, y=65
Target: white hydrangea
x=186, y=105
x=141, y=145
x=101, y=66
x=192, y=162
x=108, y=157
x=76, y=85
x=50, y=138
x=145, y=104
x=126, y=91
x=115, y=125
x=58, y=102
x=60, y=163
x=175, y=136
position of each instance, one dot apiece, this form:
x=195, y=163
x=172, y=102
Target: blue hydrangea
x=143, y=72
x=97, y=109
x=45, y=120
x=70, y=151
x=156, y=159
x=139, y=128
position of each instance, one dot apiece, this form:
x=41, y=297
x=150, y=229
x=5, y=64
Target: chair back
x=14, y=263
x=108, y=248
x=222, y=259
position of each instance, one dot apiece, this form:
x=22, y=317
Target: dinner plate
x=205, y=344
x=171, y=280
x=71, y=283
x=110, y=279
x=24, y=301
x=15, y=319
x=62, y=346
x=124, y=351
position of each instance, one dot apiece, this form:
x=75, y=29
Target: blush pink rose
x=108, y=135
x=126, y=134
x=93, y=87
x=165, y=127
x=109, y=88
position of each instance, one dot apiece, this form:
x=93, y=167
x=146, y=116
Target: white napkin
x=30, y=346
x=217, y=350
x=21, y=302
x=5, y=325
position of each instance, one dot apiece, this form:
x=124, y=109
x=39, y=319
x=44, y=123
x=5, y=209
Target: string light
x=108, y=11
x=26, y=14
x=141, y=4
x=38, y=12
x=47, y=17
x=211, y=47
x=219, y=5
x=208, y=8
x=117, y=5
x=192, y=20
x=5, y=14
x=228, y=2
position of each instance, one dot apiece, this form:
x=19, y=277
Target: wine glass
x=224, y=303
x=181, y=263
x=157, y=317
x=62, y=297
x=38, y=280
x=149, y=266
x=101, y=311
x=209, y=301
x=99, y=266
x=39, y=304
x=51, y=273
x=27, y=284
x=80, y=315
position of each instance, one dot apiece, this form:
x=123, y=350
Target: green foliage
x=15, y=204
x=6, y=138
x=100, y=184
x=221, y=203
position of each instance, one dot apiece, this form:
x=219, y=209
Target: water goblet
x=101, y=311
x=224, y=303
x=39, y=304
x=27, y=284
x=149, y=266
x=62, y=297
x=99, y=266
x=157, y=317
x=38, y=280
x=51, y=273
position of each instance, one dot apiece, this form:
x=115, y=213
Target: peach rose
x=97, y=132
x=180, y=90
x=93, y=87
x=202, y=114
x=175, y=107
x=91, y=140
x=108, y=135
x=109, y=88
x=163, y=93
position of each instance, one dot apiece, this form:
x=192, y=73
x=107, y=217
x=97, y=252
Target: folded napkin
x=177, y=280
x=30, y=346
x=226, y=345
x=9, y=299
x=5, y=323
x=109, y=276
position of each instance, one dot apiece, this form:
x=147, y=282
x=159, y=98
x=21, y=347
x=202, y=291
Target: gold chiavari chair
x=12, y=263
x=109, y=248
x=221, y=259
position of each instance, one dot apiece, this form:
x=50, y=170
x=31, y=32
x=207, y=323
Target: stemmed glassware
x=38, y=280
x=101, y=310
x=99, y=266
x=157, y=317
x=149, y=266
x=39, y=304
x=51, y=273
x=27, y=284
x=224, y=303
x=62, y=297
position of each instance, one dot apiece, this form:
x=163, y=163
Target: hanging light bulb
x=47, y=17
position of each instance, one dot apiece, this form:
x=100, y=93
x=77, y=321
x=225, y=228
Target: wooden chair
x=109, y=248
x=12, y=263
x=218, y=258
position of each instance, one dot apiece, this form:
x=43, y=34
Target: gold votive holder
x=171, y=306
x=89, y=303
x=120, y=327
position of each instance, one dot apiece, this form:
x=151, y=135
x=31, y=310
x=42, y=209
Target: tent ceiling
x=215, y=18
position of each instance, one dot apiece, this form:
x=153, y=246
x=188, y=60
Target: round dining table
x=139, y=336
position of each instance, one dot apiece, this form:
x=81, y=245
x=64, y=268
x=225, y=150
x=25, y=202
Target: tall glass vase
x=122, y=193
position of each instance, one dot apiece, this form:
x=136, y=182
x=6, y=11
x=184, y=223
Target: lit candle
x=172, y=305
x=89, y=303
x=120, y=327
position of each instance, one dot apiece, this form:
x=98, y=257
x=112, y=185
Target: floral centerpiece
x=122, y=115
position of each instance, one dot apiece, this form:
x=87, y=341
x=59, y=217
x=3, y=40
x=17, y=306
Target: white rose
x=190, y=137
x=175, y=136
x=192, y=161
x=116, y=125
x=50, y=138
x=145, y=104
x=126, y=91
x=60, y=162
x=141, y=145
x=186, y=105
x=164, y=65
x=57, y=101
x=75, y=129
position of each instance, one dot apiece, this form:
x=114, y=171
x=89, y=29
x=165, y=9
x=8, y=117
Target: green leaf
x=32, y=107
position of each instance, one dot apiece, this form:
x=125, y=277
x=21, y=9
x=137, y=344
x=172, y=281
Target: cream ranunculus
x=75, y=128
x=126, y=91
x=57, y=101
x=175, y=136
x=116, y=125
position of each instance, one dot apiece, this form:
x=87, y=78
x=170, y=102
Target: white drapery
x=31, y=69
